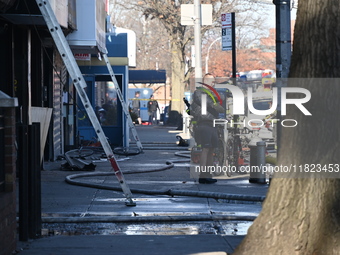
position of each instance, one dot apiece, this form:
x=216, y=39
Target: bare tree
x=126, y=16
x=302, y=215
x=167, y=13
x=153, y=46
x=249, y=30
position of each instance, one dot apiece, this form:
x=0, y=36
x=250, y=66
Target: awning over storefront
x=147, y=76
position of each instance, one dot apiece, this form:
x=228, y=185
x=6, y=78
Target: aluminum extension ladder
x=80, y=85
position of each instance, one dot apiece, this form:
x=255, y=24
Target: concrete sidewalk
x=98, y=222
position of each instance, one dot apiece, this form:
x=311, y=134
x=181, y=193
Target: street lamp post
x=207, y=57
x=198, y=40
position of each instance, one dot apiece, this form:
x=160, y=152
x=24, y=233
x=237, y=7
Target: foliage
x=220, y=63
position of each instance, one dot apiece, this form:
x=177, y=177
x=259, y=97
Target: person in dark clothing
x=152, y=110
x=205, y=133
x=136, y=106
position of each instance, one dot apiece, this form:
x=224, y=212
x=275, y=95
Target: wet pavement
x=91, y=220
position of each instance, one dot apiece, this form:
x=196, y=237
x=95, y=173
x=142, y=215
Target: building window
x=2, y=150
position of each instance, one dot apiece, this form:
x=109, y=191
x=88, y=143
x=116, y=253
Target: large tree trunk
x=177, y=78
x=302, y=215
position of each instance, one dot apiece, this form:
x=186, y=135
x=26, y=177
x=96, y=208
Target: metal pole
x=198, y=40
x=283, y=52
x=38, y=176
x=233, y=36
x=23, y=182
x=283, y=38
x=253, y=176
x=261, y=161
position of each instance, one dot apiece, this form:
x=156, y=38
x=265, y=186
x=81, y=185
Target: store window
x=106, y=103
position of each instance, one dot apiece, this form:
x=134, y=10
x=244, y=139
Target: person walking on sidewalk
x=152, y=110
x=205, y=133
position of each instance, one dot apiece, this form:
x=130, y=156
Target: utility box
x=90, y=34
x=60, y=8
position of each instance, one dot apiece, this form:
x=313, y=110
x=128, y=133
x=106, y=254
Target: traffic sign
x=227, y=42
x=227, y=28
x=226, y=19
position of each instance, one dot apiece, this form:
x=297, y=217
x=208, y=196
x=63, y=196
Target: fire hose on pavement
x=72, y=179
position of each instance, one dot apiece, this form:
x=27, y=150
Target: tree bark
x=177, y=77
x=301, y=214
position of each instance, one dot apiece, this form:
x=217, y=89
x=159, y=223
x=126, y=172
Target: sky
x=270, y=10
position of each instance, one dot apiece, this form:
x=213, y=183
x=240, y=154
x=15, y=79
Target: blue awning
x=147, y=76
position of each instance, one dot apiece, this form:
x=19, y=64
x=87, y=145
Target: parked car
x=254, y=78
